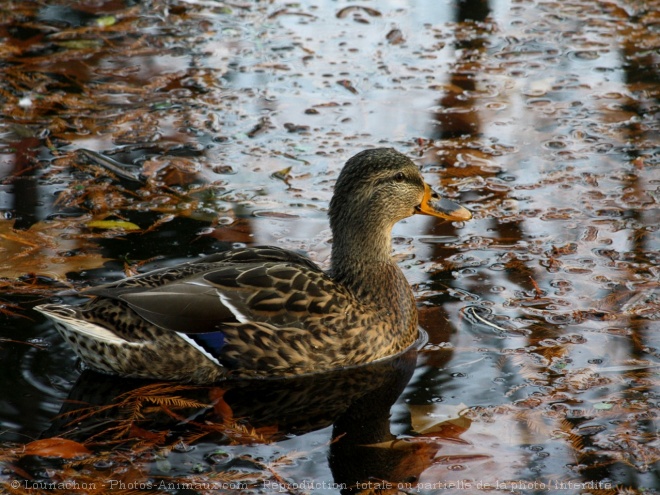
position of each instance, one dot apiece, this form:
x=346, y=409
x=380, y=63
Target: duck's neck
x=361, y=258
x=361, y=261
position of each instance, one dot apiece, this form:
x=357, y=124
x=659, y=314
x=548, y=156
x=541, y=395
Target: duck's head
x=378, y=187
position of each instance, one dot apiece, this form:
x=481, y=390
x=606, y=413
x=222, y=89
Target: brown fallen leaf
x=357, y=8
x=348, y=85
x=395, y=37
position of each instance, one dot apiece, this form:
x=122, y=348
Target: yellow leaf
x=112, y=224
x=106, y=21
x=283, y=174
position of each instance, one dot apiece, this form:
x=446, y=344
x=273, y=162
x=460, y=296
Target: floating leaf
x=80, y=44
x=50, y=249
x=112, y=224
x=56, y=447
x=106, y=21
x=273, y=214
x=120, y=169
x=395, y=37
x=348, y=85
x=137, y=433
x=164, y=465
x=452, y=428
x=220, y=407
x=439, y=420
x=357, y=8
x=296, y=127
x=283, y=174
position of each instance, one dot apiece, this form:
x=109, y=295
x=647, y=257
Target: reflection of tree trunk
x=472, y=10
x=458, y=116
x=25, y=186
x=457, y=127
x=640, y=71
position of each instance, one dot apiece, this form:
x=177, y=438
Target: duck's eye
x=399, y=177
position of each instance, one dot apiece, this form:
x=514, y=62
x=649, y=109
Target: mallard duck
x=265, y=311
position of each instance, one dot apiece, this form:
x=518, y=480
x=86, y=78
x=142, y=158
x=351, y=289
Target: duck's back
x=251, y=284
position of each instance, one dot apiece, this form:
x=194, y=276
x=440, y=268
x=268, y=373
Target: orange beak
x=435, y=206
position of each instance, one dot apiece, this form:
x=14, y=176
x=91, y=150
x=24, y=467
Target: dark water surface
x=541, y=370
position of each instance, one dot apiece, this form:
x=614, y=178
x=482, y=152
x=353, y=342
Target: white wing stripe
x=199, y=348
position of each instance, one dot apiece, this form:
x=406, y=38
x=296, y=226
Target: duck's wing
x=233, y=290
x=164, y=276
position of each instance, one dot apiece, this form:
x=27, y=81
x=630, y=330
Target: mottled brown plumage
x=265, y=311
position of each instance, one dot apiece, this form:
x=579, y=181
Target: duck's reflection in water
x=356, y=401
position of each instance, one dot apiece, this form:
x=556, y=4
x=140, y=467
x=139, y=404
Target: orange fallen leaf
x=141, y=433
x=450, y=429
x=220, y=407
x=50, y=248
x=56, y=447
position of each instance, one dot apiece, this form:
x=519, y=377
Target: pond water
x=541, y=370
